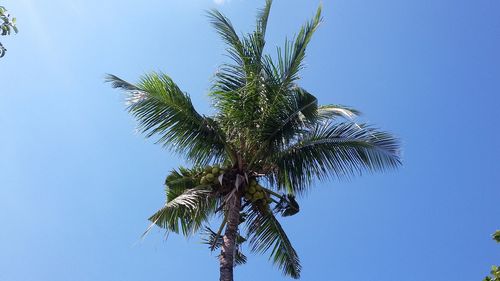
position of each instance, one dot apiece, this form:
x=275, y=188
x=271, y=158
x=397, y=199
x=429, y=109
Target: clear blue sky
x=77, y=183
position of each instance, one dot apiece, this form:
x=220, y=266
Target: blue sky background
x=77, y=183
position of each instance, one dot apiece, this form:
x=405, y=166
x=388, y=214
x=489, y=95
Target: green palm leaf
x=331, y=112
x=262, y=18
x=291, y=60
x=225, y=29
x=255, y=42
x=179, y=181
x=214, y=241
x=291, y=115
x=333, y=150
x=162, y=109
x=187, y=211
x=265, y=234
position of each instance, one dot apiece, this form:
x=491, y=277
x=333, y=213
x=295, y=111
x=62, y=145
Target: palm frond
x=286, y=117
x=331, y=111
x=294, y=111
x=225, y=29
x=337, y=150
x=117, y=82
x=163, y=110
x=214, y=241
x=240, y=258
x=186, y=212
x=256, y=41
x=287, y=206
x=229, y=79
x=179, y=181
x=290, y=114
x=262, y=18
x=291, y=60
x=211, y=238
x=265, y=233
x=183, y=197
x=238, y=88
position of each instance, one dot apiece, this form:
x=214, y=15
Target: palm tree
x=267, y=143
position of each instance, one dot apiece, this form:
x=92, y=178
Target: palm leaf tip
x=263, y=16
x=117, y=82
x=291, y=62
x=329, y=112
x=224, y=28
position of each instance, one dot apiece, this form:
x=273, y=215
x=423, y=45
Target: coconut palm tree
x=267, y=143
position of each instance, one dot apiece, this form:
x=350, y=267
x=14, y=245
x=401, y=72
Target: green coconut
x=215, y=170
x=210, y=177
x=258, y=195
x=203, y=180
x=208, y=169
x=251, y=189
x=248, y=196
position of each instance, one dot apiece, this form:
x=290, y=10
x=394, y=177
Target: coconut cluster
x=255, y=193
x=210, y=174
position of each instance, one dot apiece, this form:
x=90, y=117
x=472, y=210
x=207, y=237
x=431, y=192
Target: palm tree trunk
x=229, y=240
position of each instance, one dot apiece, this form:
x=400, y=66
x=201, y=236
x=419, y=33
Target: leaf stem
x=214, y=243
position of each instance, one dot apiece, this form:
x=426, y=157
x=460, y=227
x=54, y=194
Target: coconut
x=210, y=177
x=208, y=169
x=203, y=180
x=251, y=190
x=258, y=195
x=248, y=196
x=215, y=170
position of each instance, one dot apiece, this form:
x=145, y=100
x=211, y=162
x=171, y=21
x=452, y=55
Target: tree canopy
x=267, y=144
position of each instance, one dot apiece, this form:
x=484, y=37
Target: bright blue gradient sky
x=78, y=183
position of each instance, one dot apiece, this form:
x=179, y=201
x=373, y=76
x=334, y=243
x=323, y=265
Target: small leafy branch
x=7, y=25
x=495, y=270
x=496, y=236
